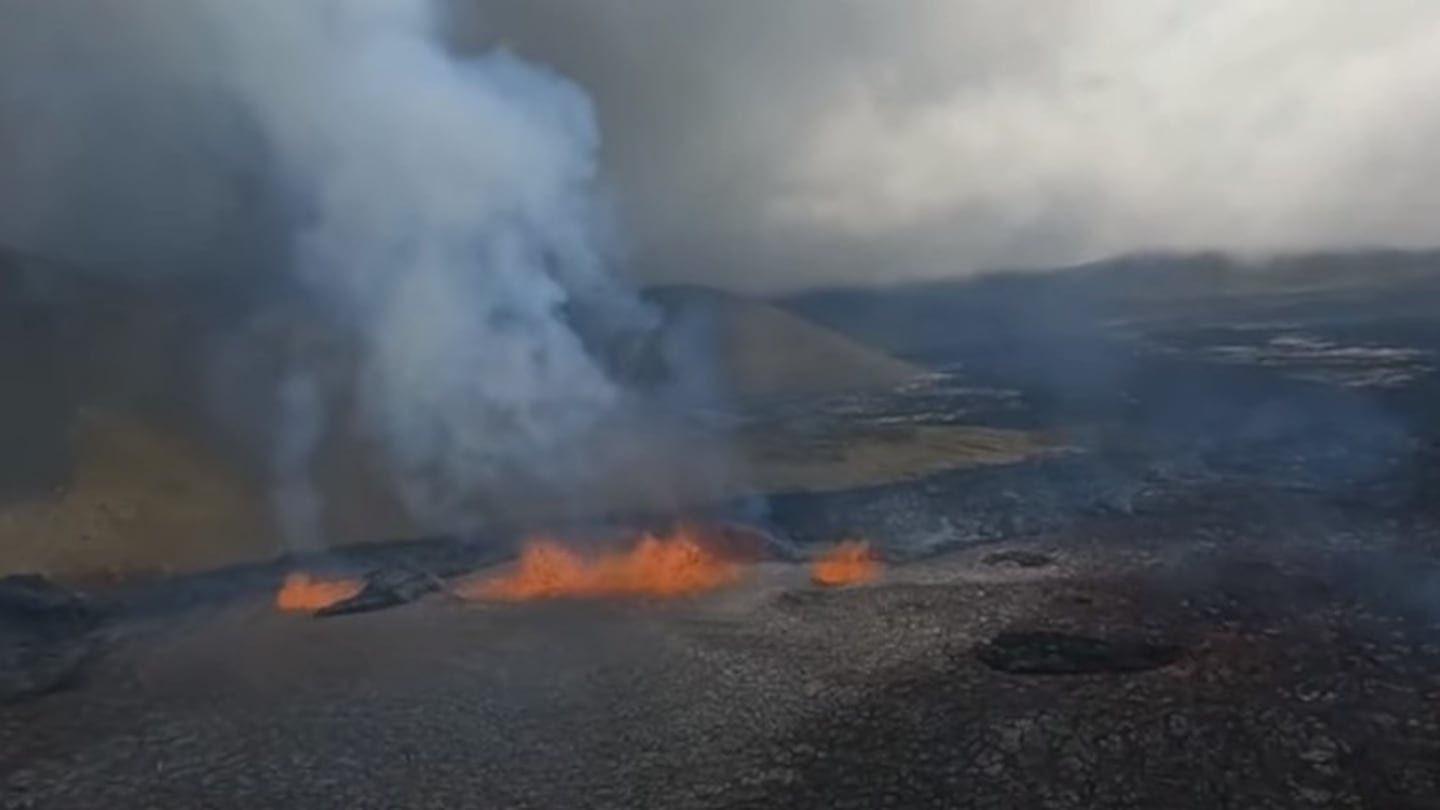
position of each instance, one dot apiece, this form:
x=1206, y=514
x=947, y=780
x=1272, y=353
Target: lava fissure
x=849, y=563
x=664, y=566
x=302, y=593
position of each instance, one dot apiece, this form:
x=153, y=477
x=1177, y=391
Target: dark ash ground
x=1259, y=501
x=1292, y=689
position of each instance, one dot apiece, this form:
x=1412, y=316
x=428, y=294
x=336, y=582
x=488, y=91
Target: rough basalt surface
x=1301, y=676
x=48, y=635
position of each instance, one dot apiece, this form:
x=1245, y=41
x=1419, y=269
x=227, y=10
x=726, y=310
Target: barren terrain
x=1182, y=552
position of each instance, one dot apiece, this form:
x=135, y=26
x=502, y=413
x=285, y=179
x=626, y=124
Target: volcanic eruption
x=676, y=564
x=849, y=563
x=303, y=593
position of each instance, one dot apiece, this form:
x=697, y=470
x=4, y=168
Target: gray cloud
x=115, y=149
x=776, y=143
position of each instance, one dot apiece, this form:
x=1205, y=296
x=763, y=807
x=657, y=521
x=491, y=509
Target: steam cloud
x=451, y=218
x=441, y=209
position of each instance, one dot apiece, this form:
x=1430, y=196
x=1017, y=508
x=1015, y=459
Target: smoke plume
x=440, y=211
x=448, y=213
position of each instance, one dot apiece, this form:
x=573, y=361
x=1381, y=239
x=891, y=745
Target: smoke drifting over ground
x=440, y=210
x=449, y=216
x=779, y=143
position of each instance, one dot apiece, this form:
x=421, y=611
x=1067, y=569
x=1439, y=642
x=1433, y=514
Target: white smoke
x=298, y=505
x=441, y=210
x=449, y=218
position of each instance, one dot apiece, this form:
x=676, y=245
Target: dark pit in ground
x=1039, y=652
x=1018, y=558
x=47, y=636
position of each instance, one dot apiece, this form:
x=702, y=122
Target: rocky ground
x=1294, y=669
x=1187, y=561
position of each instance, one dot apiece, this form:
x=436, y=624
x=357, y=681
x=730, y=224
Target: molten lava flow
x=846, y=564
x=301, y=593
x=656, y=566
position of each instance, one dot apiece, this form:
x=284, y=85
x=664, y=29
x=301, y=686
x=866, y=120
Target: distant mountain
x=924, y=321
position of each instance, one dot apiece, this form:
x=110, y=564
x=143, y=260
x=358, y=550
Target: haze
x=775, y=144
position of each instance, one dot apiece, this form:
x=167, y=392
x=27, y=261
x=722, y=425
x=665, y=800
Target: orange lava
x=849, y=563
x=302, y=593
x=670, y=566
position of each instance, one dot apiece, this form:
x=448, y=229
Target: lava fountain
x=849, y=563
x=302, y=593
x=667, y=566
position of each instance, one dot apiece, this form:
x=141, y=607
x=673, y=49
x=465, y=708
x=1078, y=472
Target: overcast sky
x=772, y=144
x=786, y=142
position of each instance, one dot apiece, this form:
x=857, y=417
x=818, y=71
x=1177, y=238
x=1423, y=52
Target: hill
x=993, y=314
x=119, y=463
x=762, y=351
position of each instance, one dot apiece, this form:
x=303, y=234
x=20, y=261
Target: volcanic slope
x=763, y=351
x=119, y=468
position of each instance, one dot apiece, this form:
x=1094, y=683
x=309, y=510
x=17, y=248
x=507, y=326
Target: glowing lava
x=849, y=563
x=655, y=566
x=303, y=594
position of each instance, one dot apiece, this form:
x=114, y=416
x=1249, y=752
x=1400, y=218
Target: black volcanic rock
x=1050, y=653
x=47, y=636
x=1018, y=558
x=386, y=587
